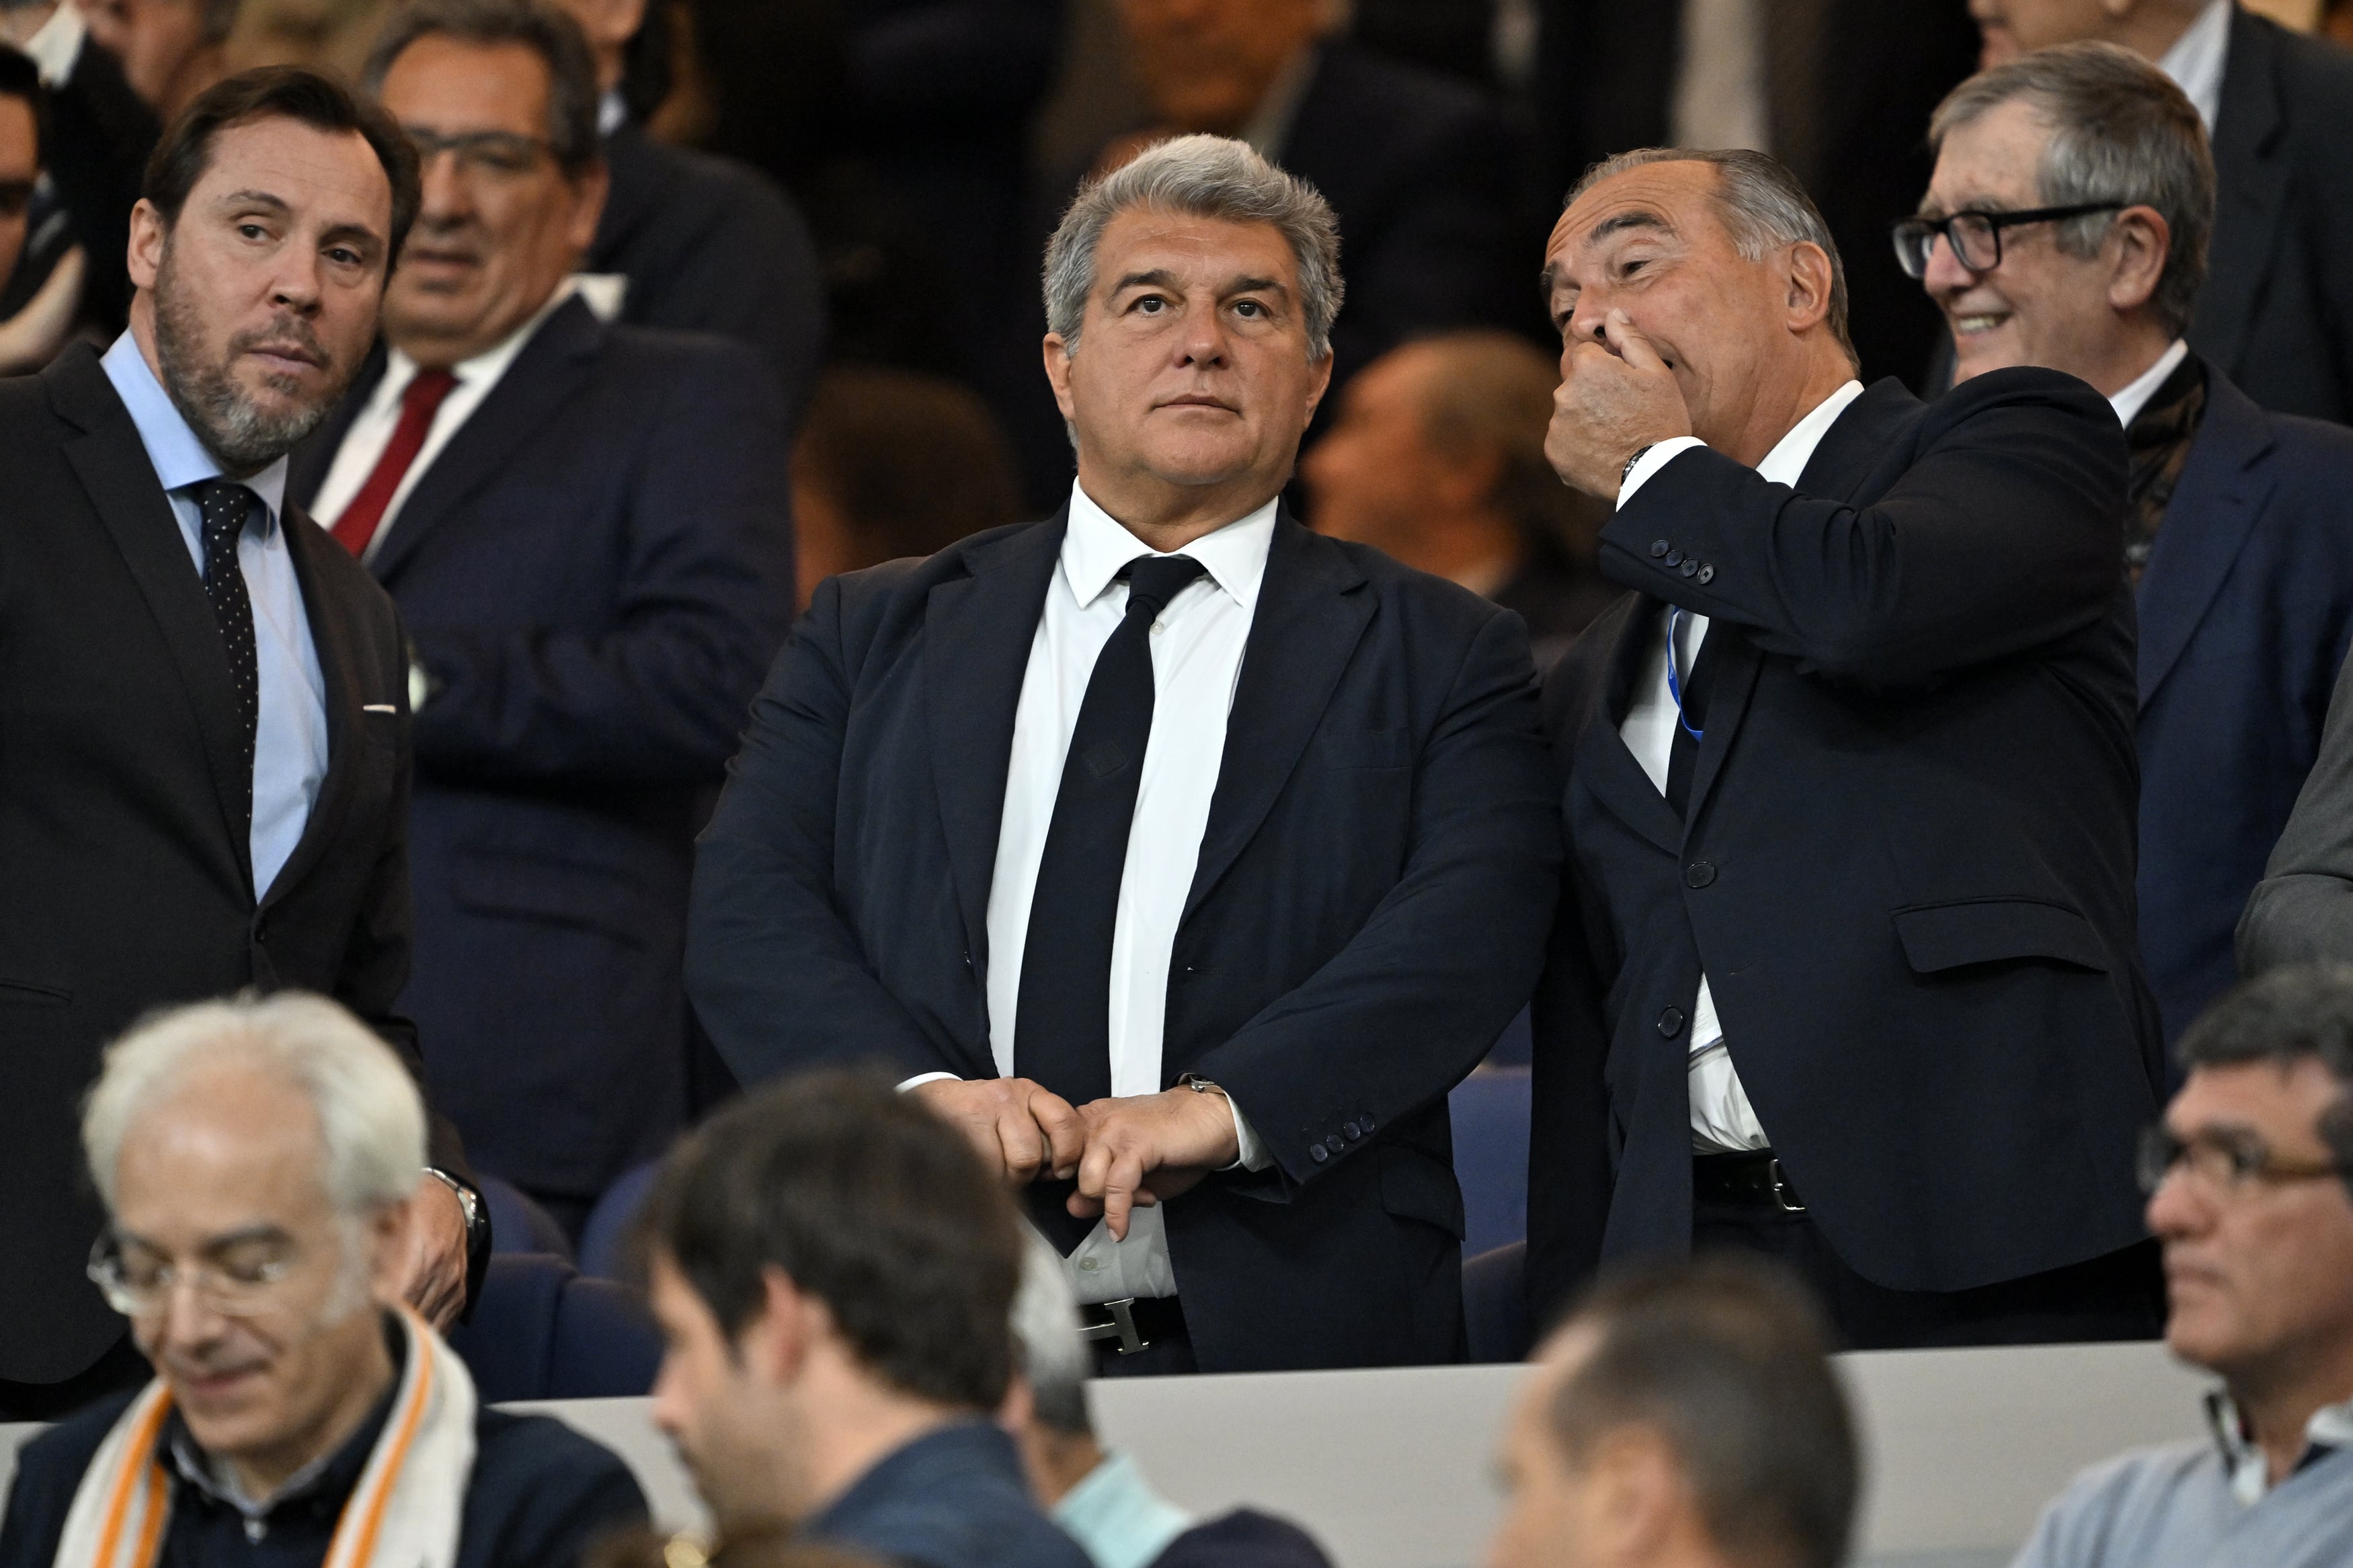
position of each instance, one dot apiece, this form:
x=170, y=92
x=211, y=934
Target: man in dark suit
x=1817, y=83
x=205, y=776
x=2235, y=538
x=708, y=244
x=833, y=1271
x=1846, y=969
x=1234, y=1027
x=586, y=529
x=2277, y=313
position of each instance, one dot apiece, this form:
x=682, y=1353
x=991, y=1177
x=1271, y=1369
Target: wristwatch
x=1200, y=1085
x=478, y=1237
x=1628, y=472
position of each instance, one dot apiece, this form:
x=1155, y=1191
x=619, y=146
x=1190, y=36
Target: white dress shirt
x=1722, y=1120
x=2199, y=58
x=372, y=429
x=1197, y=658
x=289, y=738
x=2129, y=402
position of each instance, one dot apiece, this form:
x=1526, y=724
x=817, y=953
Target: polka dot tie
x=226, y=506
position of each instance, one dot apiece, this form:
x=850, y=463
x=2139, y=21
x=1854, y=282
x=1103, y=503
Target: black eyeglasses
x=1976, y=237
x=2224, y=1163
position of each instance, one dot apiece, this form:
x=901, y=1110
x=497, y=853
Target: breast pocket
x=1940, y=938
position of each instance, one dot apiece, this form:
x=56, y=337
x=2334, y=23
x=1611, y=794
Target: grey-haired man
x=1171, y=849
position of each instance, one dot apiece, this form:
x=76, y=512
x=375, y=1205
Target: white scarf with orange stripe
x=403, y=1513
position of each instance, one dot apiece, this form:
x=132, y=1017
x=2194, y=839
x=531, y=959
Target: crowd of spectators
x=618, y=728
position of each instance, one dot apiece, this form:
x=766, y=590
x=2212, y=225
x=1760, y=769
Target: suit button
x=1659, y=547
x=1317, y=1152
x=1691, y=568
x=1706, y=573
x=1335, y=1143
x=1698, y=874
x=1671, y=1022
x=1366, y=1123
x=1351, y=1129
x=1672, y=558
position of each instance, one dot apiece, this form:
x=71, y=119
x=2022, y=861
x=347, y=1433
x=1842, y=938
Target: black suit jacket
x=1606, y=75
x=2277, y=312
x=2247, y=613
x=1366, y=914
x=128, y=885
x=709, y=245
x=1908, y=869
x=595, y=571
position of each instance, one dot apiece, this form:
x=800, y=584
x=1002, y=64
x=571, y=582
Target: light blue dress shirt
x=290, y=747
x=1118, y=1518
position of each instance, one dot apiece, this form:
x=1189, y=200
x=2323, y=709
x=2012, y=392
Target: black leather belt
x=1756, y=1181
x=1133, y=1322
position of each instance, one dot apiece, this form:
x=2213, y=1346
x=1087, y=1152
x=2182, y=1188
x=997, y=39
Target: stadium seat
x=1490, y=1156
x=604, y=1238
x=519, y=1225
x=1494, y=1310
x=541, y=1330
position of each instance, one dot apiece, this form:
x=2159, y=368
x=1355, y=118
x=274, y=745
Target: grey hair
x=1763, y=206
x=1199, y=176
x=1046, y=1343
x=371, y=1117
x=2120, y=131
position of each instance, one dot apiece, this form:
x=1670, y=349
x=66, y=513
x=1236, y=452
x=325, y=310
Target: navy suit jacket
x=595, y=572
x=1907, y=866
x=1368, y=913
x=955, y=1497
x=2246, y=609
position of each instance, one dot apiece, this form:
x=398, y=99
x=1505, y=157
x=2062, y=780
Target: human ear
x=1809, y=275
x=148, y=233
x=1058, y=375
x=2140, y=239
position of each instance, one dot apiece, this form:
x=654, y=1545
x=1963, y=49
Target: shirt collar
x=2330, y=1429
x=2199, y=58
x=180, y=457
x=1095, y=546
x=1118, y=1518
x=1787, y=459
x=2135, y=397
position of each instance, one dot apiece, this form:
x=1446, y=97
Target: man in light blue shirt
x=2250, y=1182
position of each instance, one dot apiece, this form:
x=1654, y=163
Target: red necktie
x=418, y=403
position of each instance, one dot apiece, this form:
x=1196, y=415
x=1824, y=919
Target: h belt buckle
x=1784, y=1196
x=1122, y=1327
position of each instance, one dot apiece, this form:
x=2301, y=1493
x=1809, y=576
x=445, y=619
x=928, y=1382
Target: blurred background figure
x=893, y=463
x=756, y=1549
x=170, y=50
x=1100, y=1498
x=1684, y=1416
x=1437, y=456
x=2276, y=314
x=1831, y=88
x=31, y=335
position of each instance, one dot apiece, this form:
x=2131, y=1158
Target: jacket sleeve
x=2303, y=909
x=779, y=981
x=703, y=596
x=1399, y=1015
x=2005, y=535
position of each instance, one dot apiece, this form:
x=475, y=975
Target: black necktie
x=1695, y=682
x=1061, y=1021
x=224, y=506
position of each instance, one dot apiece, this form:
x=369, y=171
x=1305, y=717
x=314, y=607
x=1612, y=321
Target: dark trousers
x=2119, y=1297
x=119, y=1368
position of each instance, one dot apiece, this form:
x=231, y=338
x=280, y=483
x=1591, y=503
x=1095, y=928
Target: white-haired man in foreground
x=256, y=1158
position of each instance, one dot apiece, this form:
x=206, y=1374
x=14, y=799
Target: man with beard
x=203, y=730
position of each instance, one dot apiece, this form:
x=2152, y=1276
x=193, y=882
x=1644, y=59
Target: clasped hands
x=1617, y=396
x=1123, y=1153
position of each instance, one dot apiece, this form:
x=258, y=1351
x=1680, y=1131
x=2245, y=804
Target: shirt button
x=1090, y=1264
x=1698, y=874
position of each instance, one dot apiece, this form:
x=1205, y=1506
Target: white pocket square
x=378, y=708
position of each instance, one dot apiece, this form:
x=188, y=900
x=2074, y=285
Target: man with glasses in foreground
x=2250, y=1184
x=2066, y=226
x=255, y=1159
x=586, y=528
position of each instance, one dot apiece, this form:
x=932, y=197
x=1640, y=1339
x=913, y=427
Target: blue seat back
x=519, y=1225
x=1489, y=1111
x=604, y=1239
x=541, y=1332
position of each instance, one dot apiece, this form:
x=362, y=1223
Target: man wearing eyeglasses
x=586, y=529
x=2067, y=225
x=256, y=1158
x=2250, y=1184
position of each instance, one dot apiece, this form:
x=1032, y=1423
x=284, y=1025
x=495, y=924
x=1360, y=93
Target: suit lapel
x=1312, y=608
x=111, y=463
x=2221, y=494
x=1602, y=760
x=977, y=631
x=522, y=405
x=331, y=634
x=2251, y=194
